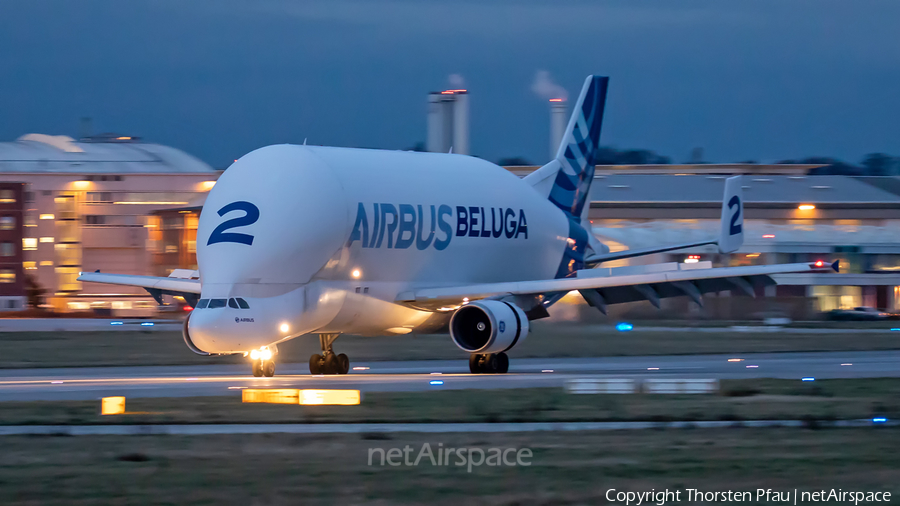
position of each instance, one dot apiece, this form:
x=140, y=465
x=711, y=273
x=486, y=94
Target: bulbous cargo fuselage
x=316, y=239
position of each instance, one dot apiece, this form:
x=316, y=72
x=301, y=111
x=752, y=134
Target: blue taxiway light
x=895, y=330
x=879, y=419
x=624, y=327
x=809, y=379
x=115, y=323
x=435, y=382
x=147, y=324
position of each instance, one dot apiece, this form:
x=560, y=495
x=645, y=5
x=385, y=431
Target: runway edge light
x=112, y=406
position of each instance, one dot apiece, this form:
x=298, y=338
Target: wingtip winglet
x=836, y=266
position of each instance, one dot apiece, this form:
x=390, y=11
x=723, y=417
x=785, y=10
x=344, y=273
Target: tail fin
x=578, y=151
x=731, y=235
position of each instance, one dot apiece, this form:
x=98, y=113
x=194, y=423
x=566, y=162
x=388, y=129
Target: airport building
x=789, y=217
x=88, y=205
x=12, y=276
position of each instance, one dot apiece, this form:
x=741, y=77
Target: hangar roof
x=53, y=154
x=760, y=189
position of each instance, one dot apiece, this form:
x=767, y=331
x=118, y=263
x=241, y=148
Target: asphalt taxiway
x=213, y=380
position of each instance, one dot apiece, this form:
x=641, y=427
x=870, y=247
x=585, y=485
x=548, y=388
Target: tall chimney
x=557, y=124
x=461, y=123
x=448, y=122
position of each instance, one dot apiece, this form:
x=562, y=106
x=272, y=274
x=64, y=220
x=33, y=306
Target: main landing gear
x=489, y=363
x=328, y=362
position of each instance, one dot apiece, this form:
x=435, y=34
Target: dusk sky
x=745, y=80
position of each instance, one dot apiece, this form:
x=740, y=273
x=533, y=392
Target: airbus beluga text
x=295, y=240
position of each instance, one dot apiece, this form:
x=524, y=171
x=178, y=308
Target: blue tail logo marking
x=579, y=150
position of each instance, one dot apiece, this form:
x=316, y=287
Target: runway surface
x=213, y=380
x=378, y=428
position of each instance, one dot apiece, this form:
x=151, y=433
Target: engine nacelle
x=187, y=338
x=488, y=326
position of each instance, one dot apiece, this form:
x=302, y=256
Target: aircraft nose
x=241, y=324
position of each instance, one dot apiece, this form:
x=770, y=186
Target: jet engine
x=488, y=326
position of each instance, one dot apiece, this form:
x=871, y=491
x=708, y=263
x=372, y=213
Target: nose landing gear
x=263, y=365
x=328, y=362
x=264, y=368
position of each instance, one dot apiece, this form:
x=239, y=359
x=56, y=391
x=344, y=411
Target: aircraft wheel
x=315, y=364
x=503, y=360
x=331, y=364
x=343, y=362
x=257, y=368
x=491, y=363
x=474, y=363
x=269, y=368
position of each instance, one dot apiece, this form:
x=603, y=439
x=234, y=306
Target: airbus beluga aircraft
x=294, y=240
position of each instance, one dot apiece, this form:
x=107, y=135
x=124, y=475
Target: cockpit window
x=202, y=303
x=243, y=303
x=217, y=303
x=233, y=304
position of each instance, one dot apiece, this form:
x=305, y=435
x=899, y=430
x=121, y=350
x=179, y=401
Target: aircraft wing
x=170, y=285
x=599, y=289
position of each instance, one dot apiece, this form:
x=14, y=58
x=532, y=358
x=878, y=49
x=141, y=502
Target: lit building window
x=7, y=249
x=46, y=239
x=7, y=276
x=79, y=306
x=46, y=263
x=7, y=223
x=29, y=265
x=7, y=197
x=47, y=217
x=121, y=304
x=29, y=243
x=30, y=221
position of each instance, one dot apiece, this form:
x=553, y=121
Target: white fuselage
x=323, y=240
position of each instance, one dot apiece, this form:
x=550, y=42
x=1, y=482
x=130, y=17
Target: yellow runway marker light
x=270, y=395
x=329, y=397
x=112, y=406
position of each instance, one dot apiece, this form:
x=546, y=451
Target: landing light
x=263, y=353
x=624, y=327
x=806, y=207
x=285, y=327
x=356, y=273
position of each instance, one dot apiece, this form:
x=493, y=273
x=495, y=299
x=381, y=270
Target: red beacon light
x=820, y=263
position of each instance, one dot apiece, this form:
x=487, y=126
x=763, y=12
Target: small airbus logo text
x=243, y=320
x=405, y=225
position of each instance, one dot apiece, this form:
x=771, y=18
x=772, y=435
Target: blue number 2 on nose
x=251, y=214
